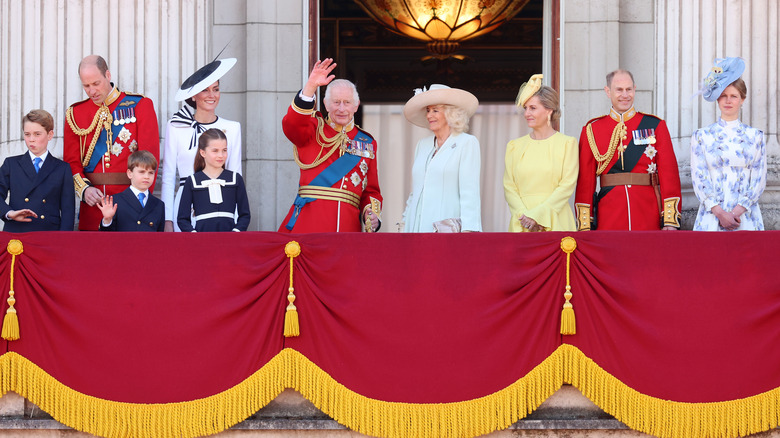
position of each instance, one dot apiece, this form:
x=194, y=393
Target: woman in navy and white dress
x=201, y=92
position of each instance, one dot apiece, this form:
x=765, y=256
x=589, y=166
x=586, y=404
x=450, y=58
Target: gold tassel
x=11, y=320
x=568, y=321
x=291, y=327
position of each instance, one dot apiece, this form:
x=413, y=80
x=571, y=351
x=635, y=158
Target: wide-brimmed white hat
x=438, y=94
x=205, y=76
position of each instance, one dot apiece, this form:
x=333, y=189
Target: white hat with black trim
x=205, y=76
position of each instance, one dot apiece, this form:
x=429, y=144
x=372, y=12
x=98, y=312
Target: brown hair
x=191, y=102
x=41, y=117
x=143, y=159
x=548, y=97
x=740, y=85
x=95, y=60
x=612, y=74
x=203, y=143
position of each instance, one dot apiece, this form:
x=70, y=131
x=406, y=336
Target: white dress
x=728, y=168
x=445, y=185
x=179, y=154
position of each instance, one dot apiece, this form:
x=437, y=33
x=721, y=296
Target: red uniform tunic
x=135, y=129
x=631, y=206
x=300, y=125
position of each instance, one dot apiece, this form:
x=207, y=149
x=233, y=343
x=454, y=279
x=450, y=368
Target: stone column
x=691, y=34
x=148, y=45
x=268, y=38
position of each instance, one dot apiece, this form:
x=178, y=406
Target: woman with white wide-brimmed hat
x=446, y=170
x=201, y=93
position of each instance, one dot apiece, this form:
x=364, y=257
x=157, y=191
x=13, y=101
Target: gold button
x=107, y=154
x=151, y=224
x=44, y=201
x=108, y=165
x=26, y=199
x=139, y=222
x=43, y=217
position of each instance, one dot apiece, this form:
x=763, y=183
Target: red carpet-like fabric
x=149, y=318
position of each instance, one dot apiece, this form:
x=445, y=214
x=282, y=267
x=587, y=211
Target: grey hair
x=612, y=74
x=456, y=117
x=336, y=83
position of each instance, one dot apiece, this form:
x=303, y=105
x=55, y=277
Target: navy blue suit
x=130, y=216
x=49, y=193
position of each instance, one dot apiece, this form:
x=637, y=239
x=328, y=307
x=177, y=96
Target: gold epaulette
x=596, y=118
x=651, y=115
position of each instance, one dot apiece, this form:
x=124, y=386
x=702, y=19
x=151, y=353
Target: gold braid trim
x=338, y=141
x=618, y=134
x=102, y=116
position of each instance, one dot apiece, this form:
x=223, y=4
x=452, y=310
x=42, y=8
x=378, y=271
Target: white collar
x=136, y=192
x=42, y=157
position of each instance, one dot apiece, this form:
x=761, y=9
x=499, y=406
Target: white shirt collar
x=42, y=157
x=136, y=192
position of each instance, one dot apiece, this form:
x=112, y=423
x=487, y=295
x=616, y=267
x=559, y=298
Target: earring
x=549, y=119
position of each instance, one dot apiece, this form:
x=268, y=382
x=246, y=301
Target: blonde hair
x=456, y=117
x=548, y=97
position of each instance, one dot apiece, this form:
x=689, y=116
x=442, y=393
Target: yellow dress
x=539, y=179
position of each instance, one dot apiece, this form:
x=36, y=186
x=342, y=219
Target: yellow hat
x=528, y=89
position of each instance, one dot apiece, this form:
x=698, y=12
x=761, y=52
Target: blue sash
x=101, y=147
x=329, y=176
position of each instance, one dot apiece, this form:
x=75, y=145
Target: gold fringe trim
x=664, y=418
x=291, y=369
x=111, y=419
x=469, y=418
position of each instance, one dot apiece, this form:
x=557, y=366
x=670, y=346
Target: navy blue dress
x=211, y=216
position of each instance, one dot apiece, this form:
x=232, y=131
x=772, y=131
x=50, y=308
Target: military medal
x=124, y=135
x=132, y=115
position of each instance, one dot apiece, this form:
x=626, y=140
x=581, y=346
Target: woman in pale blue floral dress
x=728, y=158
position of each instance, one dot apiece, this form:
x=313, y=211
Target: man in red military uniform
x=100, y=133
x=338, y=188
x=630, y=154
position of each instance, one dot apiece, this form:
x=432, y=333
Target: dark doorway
x=386, y=67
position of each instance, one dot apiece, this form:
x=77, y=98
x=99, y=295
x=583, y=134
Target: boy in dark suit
x=41, y=186
x=139, y=211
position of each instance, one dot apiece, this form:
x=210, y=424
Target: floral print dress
x=728, y=168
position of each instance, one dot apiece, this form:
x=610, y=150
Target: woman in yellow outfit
x=541, y=168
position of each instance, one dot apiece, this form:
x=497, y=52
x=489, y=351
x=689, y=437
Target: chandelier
x=442, y=23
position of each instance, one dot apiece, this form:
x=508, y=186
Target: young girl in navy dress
x=212, y=194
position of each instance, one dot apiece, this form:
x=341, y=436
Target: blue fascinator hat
x=724, y=71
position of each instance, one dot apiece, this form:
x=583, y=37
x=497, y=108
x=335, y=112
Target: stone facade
x=669, y=46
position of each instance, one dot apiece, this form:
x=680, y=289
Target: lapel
x=29, y=170
x=46, y=169
x=446, y=150
x=130, y=199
